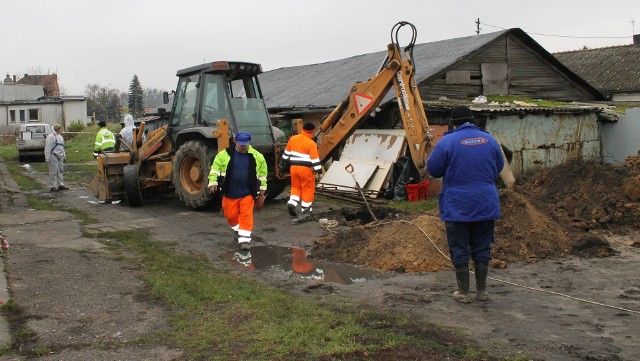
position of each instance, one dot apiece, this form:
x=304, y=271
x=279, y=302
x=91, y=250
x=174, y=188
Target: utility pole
x=478, y=26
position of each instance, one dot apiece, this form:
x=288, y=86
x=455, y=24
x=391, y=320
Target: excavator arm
x=364, y=98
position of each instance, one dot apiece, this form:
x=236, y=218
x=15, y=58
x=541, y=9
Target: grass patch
x=237, y=317
x=10, y=305
x=511, y=99
x=41, y=351
x=9, y=152
x=79, y=149
x=25, y=182
x=80, y=173
x=417, y=206
x=41, y=204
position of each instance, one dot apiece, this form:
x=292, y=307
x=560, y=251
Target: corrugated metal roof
x=612, y=69
x=326, y=84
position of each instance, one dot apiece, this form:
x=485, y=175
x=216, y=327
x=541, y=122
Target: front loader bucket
x=108, y=184
x=98, y=187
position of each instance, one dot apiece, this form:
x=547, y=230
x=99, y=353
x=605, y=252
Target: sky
x=107, y=42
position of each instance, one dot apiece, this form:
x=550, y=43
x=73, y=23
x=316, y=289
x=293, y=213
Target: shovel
x=349, y=169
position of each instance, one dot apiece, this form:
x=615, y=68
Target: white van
x=30, y=140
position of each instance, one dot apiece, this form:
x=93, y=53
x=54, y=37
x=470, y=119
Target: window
x=186, y=106
x=34, y=115
x=12, y=116
x=22, y=115
x=215, y=100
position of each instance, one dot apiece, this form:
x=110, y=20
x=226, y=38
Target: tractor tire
x=132, y=186
x=275, y=187
x=191, y=168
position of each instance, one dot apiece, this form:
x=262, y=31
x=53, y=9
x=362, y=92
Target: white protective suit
x=55, y=156
x=127, y=131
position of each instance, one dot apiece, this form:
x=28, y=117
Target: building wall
x=626, y=97
x=621, y=139
x=527, y=75
x=74, y=111
x=65, y=113
x=537, y=140
x=13, y=92
x=541, y=141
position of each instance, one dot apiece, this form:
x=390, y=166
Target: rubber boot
x=304, y=216
x=292, y=210
x=482, y=269
x=462, y=277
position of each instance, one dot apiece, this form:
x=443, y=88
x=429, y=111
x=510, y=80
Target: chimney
x=636, y=40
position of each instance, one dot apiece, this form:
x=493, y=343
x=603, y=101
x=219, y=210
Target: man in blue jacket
x=469, y=161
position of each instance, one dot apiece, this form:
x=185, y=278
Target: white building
x=21, y=104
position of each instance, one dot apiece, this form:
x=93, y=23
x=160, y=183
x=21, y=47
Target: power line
x=563, y=36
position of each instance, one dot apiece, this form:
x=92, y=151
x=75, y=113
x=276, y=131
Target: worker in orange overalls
x=302, y=155
x=240, y=173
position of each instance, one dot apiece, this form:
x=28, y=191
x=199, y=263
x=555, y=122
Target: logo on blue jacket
x=474, y=141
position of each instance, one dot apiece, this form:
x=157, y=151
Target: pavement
x=9, y=194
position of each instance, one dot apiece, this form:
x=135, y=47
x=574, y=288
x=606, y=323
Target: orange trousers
x=303, y=185
x=239, y=215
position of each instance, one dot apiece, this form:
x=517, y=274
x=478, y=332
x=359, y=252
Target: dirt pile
x=588, y=195
x=396, y=245
x=547, y=216
x=631, y=184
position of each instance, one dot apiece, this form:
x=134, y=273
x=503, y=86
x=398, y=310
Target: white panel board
x=337, y=176
x=373, y=151
x=380, y=145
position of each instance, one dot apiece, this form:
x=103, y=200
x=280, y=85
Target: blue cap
x=243, y=138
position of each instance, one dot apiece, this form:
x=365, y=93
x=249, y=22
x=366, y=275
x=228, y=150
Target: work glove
x=95, y=155
x=259, y=202
x=282, y=166
x=213, y=188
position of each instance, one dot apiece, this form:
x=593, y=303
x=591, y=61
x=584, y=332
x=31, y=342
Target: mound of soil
x=588, y=195
x=544, y=217
x=397, y=245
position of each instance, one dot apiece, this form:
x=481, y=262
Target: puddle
x=292, y=259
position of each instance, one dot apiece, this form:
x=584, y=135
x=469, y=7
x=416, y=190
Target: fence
x=10, y=139
x=7, y=139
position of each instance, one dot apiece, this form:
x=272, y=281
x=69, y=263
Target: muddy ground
x=569, y=231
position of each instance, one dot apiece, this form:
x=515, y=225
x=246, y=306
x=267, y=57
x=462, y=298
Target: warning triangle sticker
x=363, y=102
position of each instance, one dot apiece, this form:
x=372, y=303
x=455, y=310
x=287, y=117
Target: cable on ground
x=513, y=283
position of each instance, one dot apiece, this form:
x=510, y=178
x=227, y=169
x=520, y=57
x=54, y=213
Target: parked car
x=30, y=140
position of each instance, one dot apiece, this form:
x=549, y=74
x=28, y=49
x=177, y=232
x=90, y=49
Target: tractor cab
x=220, y=90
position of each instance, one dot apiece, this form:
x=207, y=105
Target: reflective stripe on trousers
x=303, y=185
x=239, y=215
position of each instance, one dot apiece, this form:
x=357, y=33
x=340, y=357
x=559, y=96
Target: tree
x=136, y=98
x=103, y=102
x=153, y=98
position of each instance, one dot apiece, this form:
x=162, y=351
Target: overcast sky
x=107, y=42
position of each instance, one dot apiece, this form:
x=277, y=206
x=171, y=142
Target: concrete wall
x=540, y=141
x=63, y=112
x=74, y=111
x=621, y=139
x=13, y=92
x=626, y=97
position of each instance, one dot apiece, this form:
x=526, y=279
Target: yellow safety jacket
x=104, y=140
